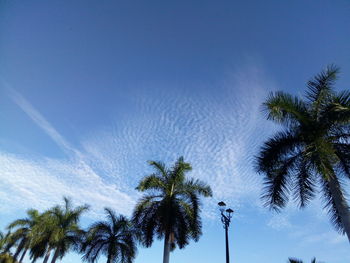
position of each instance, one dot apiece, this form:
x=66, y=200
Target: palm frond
x=294, y=260
x=338, y=109
x=283, y=108
x=151, y=182
x=320, y=88
x=160, y=168
x=198, y=187
x=275, y=149
x=331, y=202
x=304, y=184
x=342, y=151
x=277, y=184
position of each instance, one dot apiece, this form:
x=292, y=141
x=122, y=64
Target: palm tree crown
x=62, y=232
x=313, y=149
x=171, y=208
x=113, y=238
x=25, y=232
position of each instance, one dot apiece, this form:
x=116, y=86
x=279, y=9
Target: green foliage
x=7, y=258
x=24, y=232
x=171, y=207
x=312, y=149
x=61, y=232
x=114, y=238
x=56, y=229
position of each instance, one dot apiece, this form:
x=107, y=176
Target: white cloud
x=279, y=222
x=39, y=119
x=41, y=184
x=218, y=133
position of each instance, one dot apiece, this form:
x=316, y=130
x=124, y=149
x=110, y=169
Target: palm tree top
x=171, y=208
x=312, y=149
x=172, y=181
x=113, y=237
x=286, y=109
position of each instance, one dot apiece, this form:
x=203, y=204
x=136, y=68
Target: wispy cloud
x=279, y=222
x=42, y=182
x=39, y=119
x=219, y=133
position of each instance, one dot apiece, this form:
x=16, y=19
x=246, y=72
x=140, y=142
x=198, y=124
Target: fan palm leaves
x=171, y=208
x=114, y=238
x=312, y=150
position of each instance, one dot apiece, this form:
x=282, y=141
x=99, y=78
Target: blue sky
x=91, y=90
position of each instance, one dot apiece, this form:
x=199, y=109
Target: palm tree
x=3, y=241
x=114, y=238
x=5, y=256
x=313, y=149
x=293, y=260
x=24, y=232
x=62, y=233
x=42, y=240
x=171, y=209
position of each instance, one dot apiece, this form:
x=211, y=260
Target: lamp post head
x=229, y=211
x=221, y=203
x=222, y=206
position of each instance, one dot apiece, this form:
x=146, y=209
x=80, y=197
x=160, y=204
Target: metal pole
x=225, y=219
x=227, y=248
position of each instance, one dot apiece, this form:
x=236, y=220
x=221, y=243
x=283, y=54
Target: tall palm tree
x=113, y=238
x=294, y=260
x=63, y=232
x=24, y=230
x=171, y=208
x=313, y=148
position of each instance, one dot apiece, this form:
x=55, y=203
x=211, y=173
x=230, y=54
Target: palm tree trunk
x=46, y=259
x=166, y=253
x=55, y=256
x=22, y=257
x=341, y=204
x=109, y=259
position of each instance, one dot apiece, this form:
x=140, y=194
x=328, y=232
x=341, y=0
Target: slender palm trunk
x=55, y=256
x=341, y=204
x=22, y=257
x=166, y=253
x=46, y=259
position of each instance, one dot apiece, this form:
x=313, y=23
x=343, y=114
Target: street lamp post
x=226, y=215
